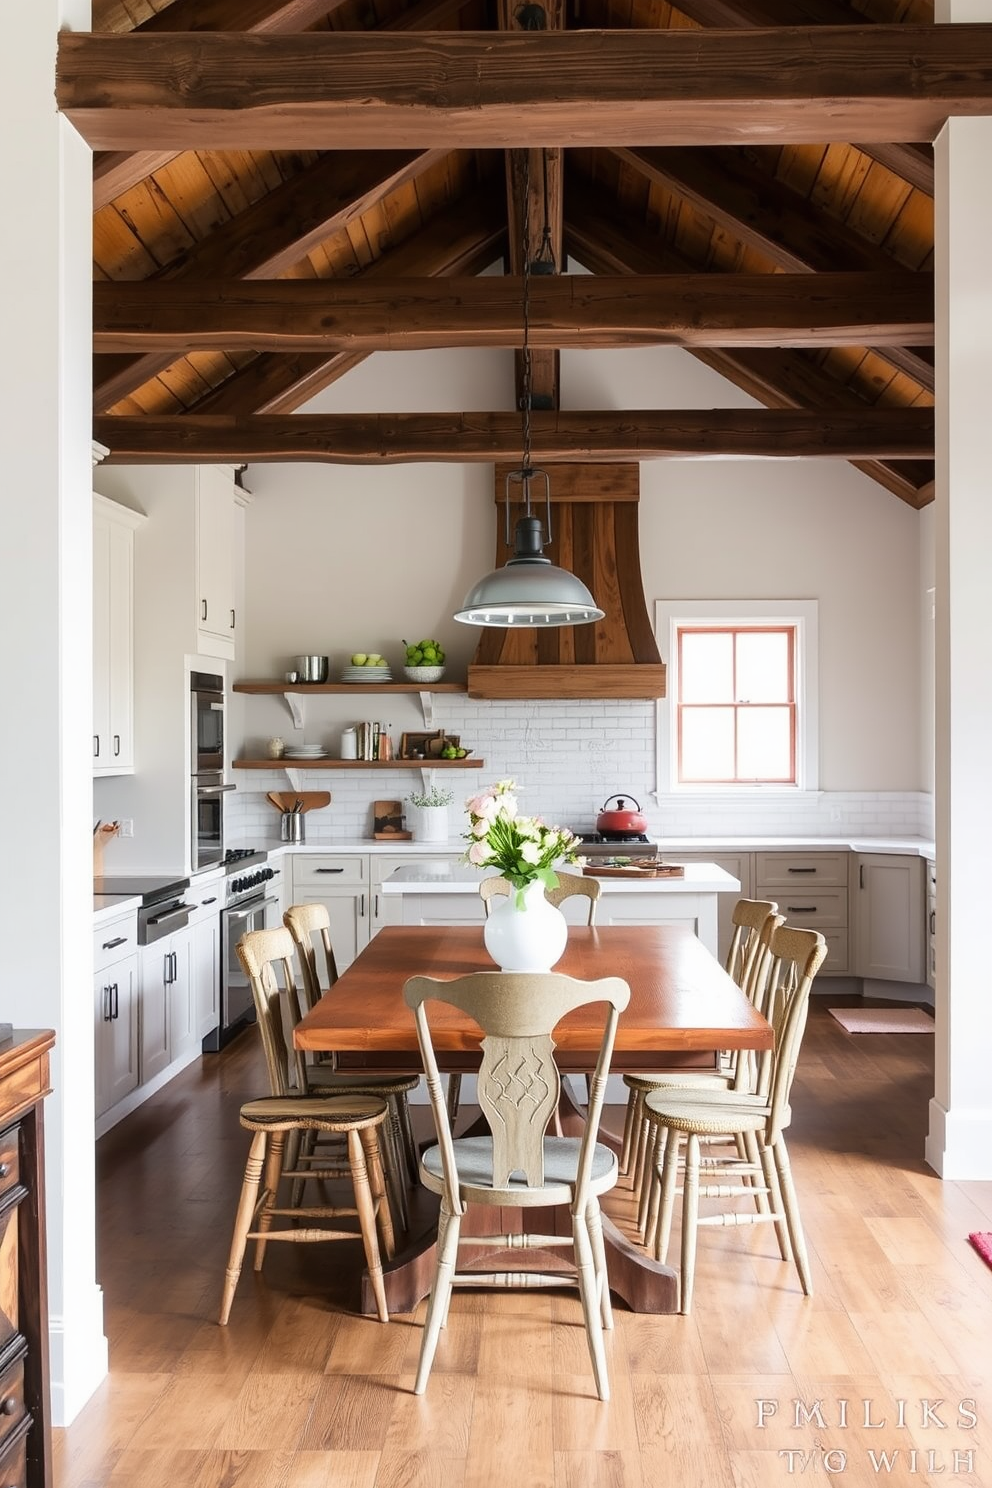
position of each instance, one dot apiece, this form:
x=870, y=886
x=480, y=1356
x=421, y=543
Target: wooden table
x=683, y=1008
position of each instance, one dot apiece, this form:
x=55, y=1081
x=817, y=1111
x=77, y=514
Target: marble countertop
x=444, y=878
x=669, y=846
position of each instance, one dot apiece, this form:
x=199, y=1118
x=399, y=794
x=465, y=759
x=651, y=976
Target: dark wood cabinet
x=25, y=1410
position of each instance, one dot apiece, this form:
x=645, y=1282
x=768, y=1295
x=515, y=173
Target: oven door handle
x=213, y=790
x=248, y=910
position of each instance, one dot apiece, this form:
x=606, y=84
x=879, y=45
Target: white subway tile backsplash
x=567, y=758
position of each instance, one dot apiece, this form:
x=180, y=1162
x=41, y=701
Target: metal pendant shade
x=529, y=590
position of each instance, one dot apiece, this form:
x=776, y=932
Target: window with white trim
x=740, y=712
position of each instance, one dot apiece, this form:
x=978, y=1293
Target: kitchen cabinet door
x=215, y=560
x=183, y=1013
x=156, y=978
x=739, y=865
x=206, y=975
x=115, y=1004
x=387, y=909
x=113, y=638
x=889, y=905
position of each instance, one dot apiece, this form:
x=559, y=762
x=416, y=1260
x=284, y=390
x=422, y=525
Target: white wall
x=351, y=558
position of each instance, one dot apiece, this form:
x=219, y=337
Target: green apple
x=359, y=658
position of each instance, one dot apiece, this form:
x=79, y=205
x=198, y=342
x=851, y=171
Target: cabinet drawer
x=808, y=907
x=837, y=962
x=14, y=1456
x=321, y=873
x=113, y=941
x=786, y=870
x=12, y=1408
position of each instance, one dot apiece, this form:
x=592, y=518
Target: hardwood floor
x=299, y=1392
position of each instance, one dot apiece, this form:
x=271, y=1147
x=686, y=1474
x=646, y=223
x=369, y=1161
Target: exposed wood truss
x=357, y=439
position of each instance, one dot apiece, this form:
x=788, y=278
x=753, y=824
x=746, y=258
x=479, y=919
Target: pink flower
x=478, y=853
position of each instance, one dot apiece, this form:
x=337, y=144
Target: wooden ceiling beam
x=271, y=236
x=608, y=242
x=596, y=434
x=913, y=162
x=777, y=222
x=576, y=311
x=359, y=91
x=463, y=239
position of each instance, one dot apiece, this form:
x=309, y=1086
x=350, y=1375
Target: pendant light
x=529, y=590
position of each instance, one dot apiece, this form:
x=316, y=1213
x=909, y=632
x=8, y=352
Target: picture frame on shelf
x=417, y=746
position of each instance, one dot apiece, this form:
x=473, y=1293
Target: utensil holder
x=291, y=827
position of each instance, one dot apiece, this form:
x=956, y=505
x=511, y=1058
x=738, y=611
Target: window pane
x=707, y=744
x=764, y=745
x=706, y=674
x=763, y=667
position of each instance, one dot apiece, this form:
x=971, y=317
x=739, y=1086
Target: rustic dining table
x=683, y=1010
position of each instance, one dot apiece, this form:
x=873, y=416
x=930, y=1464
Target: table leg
x=643, y=1283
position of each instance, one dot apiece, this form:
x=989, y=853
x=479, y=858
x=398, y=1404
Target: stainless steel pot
x=311, y=668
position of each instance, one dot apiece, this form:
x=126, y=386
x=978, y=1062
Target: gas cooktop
x=616, y=844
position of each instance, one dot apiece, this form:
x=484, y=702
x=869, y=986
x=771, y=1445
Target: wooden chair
x=569, y=884
x=283, y=1115
x=310, y=924
x=758, y=1120
x=277, y=1005
x=746, y=962
x=518, y=1165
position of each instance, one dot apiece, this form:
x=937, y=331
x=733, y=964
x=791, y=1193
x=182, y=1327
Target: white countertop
x=669, y=846
x=444, y=878
x=107, y=907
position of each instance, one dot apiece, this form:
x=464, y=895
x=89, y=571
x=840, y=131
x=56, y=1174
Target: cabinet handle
x=232, y=619
x=108, y=945
x=329, y=870
x=933, y=922
x=175, y=968
x=205, y=902
x=361, y=911
x=96, y=746
x=167, y=970
x=203, y=609
x=4, y=1169
x=801, y=908
x=9, y=1406
x=801, y=870
x=117, y=745
x=106, y=1004
x=375, y=912
x=117, y=1005
x=861, y=875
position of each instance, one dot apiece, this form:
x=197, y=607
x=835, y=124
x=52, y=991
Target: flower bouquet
x=522, y=849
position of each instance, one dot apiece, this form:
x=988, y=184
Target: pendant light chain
x=526, y=359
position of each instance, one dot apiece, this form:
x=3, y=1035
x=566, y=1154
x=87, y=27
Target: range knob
x=268, y=873
x=237, y=886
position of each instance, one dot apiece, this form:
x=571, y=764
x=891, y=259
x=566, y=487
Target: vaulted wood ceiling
x=752, y=181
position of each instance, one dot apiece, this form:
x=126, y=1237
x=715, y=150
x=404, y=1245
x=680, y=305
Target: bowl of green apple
x=424, y=661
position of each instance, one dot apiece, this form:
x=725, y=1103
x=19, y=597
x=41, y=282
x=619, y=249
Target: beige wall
x=342, y=557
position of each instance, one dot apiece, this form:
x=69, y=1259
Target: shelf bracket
x=296, y=707
x=295, y=778
x=427, y=708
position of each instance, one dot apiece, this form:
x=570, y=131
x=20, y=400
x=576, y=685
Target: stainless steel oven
x=207, y=785
x=251, y=902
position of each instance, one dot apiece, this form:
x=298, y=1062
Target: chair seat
x=685, y=1112
x=313, y=1112
x=474, y=1158
x=333, y=1080
x=679, y=1080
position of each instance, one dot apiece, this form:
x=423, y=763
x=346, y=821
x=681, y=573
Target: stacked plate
x=305, y=752
x=366, y=674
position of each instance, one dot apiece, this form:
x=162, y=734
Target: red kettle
x=621, y=819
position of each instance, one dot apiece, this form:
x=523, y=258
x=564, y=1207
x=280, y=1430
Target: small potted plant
x=431, y=814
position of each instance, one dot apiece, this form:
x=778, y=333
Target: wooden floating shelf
x=338, y=764
x=305, y=688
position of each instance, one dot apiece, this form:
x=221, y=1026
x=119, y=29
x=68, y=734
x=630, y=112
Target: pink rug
x=982, y=1241
x=883, y=1020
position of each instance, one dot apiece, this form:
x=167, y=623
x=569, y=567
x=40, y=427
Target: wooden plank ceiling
x=800, y=269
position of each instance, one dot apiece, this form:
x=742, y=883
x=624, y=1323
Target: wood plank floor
x=299, y=1392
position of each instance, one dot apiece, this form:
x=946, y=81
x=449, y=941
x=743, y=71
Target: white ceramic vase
x=528, y=939
x=430, y=824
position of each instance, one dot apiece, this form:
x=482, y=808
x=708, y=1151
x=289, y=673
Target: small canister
x=349, y=744
x=292, y=826
x=276, y=748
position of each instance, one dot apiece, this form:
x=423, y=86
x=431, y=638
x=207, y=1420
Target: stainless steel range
x=252, y=892
x=600, y=845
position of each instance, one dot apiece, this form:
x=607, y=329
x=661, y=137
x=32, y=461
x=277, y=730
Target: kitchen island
x=448, y=894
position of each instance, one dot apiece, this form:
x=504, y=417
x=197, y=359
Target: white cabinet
x=115, y=1009
x=206, y=975
x=341, y=883
x=387, y=909
x=811, y=890
x=889, y=906
x=215, y=547
x=166, y=1004
x=738, y=865
x=113, y=637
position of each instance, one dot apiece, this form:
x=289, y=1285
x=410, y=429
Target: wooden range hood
x=595, y=536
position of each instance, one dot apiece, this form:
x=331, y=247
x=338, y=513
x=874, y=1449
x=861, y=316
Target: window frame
x=741, y=614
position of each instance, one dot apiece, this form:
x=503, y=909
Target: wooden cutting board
x=286, y=800
x=635, y=870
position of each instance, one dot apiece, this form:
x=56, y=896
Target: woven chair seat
x=679, y=1080
x=685, y=1113
x=313, y=1113
x=323, y=1077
